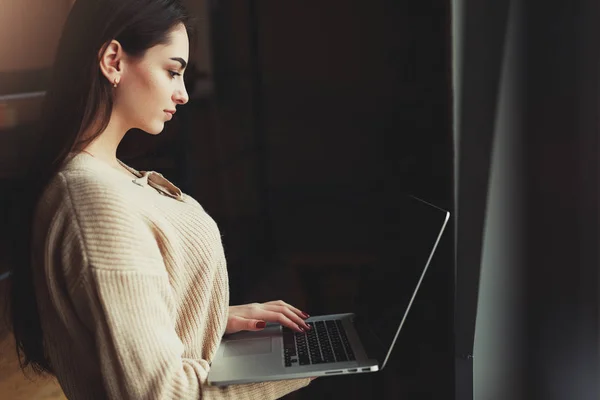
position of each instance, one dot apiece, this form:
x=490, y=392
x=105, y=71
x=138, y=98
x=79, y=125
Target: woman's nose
x=181, y=95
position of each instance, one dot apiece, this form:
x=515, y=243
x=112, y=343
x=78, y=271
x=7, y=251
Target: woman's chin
x=155, y=129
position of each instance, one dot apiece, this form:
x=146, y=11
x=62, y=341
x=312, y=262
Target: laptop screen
x=387, y=287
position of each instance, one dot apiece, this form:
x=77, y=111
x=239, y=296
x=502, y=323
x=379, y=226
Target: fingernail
x=301, y=329
x=261, y=324
x=305, y=315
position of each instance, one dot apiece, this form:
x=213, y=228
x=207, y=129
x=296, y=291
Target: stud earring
x=116, y=82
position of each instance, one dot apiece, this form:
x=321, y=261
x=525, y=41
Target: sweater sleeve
x=123, y=290
x=140, y=352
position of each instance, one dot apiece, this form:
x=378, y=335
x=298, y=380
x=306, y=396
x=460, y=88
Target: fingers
x=246, y=317
x=288, y=313
x=282, y=318
x=284, y=304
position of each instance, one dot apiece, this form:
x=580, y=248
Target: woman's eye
x=174, y=74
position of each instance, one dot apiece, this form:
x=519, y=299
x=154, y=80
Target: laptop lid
x=387, y=289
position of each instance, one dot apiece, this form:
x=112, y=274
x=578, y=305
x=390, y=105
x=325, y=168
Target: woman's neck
x=104, y=147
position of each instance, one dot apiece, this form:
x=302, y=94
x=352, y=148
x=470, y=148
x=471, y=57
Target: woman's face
x=151, y=87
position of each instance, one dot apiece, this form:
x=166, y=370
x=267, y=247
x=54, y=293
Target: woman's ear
x=111, y=62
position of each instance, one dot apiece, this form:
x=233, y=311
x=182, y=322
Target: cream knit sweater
x=132, y=287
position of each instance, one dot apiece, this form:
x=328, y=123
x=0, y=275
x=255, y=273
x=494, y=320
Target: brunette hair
x=79, y=97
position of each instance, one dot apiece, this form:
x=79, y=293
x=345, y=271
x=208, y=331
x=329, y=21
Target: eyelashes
x=174, y=74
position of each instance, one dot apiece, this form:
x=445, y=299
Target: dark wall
x=326, y=112
x=562, y=159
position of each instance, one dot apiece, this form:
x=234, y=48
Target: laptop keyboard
x=326, y=342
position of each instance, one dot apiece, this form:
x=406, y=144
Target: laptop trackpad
x=247, y=347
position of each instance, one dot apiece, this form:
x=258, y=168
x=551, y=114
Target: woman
x=122, y=291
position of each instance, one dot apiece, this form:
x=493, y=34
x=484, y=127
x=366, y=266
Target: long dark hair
x=79, y=98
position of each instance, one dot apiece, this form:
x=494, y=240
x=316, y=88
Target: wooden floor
x=14, y=385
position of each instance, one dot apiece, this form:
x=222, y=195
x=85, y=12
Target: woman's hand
x=254, y=317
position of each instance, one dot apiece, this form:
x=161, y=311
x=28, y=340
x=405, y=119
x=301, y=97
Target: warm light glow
x=29, y=32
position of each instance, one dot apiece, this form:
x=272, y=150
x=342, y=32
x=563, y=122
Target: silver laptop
x=360, y=341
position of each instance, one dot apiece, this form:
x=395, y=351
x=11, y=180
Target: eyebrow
x=180, y=60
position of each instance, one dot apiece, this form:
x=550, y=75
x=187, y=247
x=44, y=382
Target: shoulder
x=83, y=183
x=95, y=217
x=85, y=191
x=88, y=195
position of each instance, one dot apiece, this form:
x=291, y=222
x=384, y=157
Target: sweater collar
x=156, y=180
x=144, y=178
